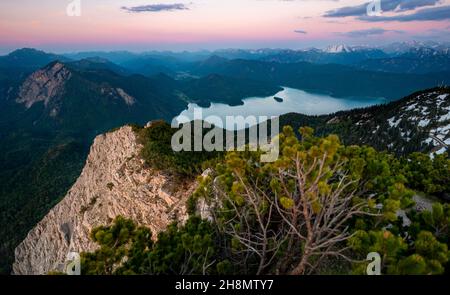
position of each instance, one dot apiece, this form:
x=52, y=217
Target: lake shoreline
x=293, y=100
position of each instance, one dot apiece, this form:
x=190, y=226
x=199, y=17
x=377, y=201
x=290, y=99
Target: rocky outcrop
x=128, y=99
x=113, y=182
x=44, y=85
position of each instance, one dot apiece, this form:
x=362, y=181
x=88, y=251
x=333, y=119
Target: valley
x=53, y=106
x=145, y=141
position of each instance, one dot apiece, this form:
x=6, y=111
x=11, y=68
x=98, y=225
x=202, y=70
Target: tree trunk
x=300, y=268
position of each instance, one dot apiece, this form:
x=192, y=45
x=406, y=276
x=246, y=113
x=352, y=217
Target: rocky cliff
x=113, y=182
x=44, y=85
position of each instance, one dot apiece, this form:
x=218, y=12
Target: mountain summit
x=338, y=48
x=113, y=182
x=44, y=85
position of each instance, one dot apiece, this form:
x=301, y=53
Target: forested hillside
x=336, y=80
x=49, y=117
x=318, y=209
x=418, y=122
x=52, y=106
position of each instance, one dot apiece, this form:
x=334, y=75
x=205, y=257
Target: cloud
x=386, y=5
x=347, y=11
x=368, y=32
x=300, y=32
x=155, y=8
x=413, y=4
x=426, y=14
x=335, y=21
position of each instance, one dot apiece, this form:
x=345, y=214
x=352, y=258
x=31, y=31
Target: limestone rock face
x=44, y=85
x=113, y=182
x=128, y=99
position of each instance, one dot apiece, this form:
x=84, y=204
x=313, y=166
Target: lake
x=293, y=100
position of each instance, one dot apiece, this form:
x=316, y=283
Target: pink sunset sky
x=140, y=25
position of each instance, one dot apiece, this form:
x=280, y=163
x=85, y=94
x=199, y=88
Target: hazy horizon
x=205, y=50
x=144, y=25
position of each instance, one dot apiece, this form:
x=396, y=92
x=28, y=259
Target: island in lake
x=279, y=99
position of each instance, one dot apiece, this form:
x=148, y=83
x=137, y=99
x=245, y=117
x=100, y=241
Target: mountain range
x=49, y=118
x=117, y=181
x=53, y=105
x=419, y=122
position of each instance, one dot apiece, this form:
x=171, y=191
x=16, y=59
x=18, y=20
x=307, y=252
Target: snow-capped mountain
x=400, y=48
x=419, y=122
x=339, y=48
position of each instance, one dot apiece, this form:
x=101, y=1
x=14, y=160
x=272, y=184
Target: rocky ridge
x=113, y=182
x=44, y=85
x=420, y=122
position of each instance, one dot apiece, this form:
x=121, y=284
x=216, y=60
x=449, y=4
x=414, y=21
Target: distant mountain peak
x=29, y=58
x=338, y=48
x=44, y=85
x=213, y=59
x=54, y=66
x=97, y=59
x=26, y=52
x=403, y=47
